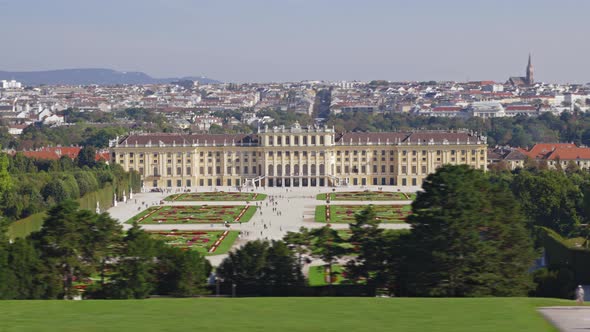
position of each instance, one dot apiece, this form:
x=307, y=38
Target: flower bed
x=383, y=213
x=205, y=242
x=194, y=214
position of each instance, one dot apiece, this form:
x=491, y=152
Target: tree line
x=29, y=186
x=79, y=249
x=473, y=234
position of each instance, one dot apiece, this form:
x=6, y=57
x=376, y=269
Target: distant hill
x=91, y=76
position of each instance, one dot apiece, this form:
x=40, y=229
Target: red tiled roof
x=446, y=108
x=570, y=154
x=542, y=150
x=520, y=108
x=55, y=153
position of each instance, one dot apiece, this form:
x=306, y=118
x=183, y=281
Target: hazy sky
x=291, y=40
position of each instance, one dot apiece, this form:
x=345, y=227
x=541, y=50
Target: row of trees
x=79, y=247
x=31, y=186
x=515, y=131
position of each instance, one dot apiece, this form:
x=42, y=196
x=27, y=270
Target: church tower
x=529, y=73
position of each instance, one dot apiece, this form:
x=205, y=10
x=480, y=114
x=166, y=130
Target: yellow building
x=295, y=157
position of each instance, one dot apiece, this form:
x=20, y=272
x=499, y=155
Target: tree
x=86, y=157
x=549, y=199
x=133, y=276
x=300, y=242
x=27, y=270
x=468, y=238
x=245, y=266
x=327, y=245
x=62, y=242
x=282, y=268
x=5, y=178
x=368, y=240
x=181, y=273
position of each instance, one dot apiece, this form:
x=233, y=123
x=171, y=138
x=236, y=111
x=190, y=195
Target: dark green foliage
x=181, y=273
x=370, y=263
x=549, y=199
x=327, y=245
x=260, y=264
x=86, y=157
x=468, y=238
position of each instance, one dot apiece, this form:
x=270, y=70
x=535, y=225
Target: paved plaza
x=285, y=209
x=568, y=319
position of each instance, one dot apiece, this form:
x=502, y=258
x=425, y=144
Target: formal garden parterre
x=205, y=242
x=366, y=196
x=195, y=214
x=346, y=213
x=217, y=196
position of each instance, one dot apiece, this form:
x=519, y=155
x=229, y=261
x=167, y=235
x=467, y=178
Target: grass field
x=201, y=241
x=219, y=196
x=345, y=213
x=194, y=214
x=367, y=196
x=280, y=314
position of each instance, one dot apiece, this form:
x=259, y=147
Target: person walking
x=580, y=295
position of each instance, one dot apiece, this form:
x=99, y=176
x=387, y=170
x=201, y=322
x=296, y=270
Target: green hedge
x=560, y=254
x=32, y=223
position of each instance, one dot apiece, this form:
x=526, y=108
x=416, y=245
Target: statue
x=97, y=207
x=115, y=200
x=130, y=193
x=124, y=197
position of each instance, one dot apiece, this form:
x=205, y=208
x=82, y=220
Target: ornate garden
x=195, y=214
x=219, y=196
x=205, y=242
x=346, y=213
x=366, y=196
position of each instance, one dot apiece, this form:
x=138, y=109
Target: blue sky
x=291, y=40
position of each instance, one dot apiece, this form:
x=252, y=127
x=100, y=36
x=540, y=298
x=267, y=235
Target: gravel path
x=568, y=319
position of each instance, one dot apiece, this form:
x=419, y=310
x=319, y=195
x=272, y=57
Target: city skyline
x=263, y=41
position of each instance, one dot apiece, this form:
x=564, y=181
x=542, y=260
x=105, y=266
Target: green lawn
x=198, y=240
x=280, y=314
x=317, y=275
x=216, y=196
x=194, y=214
x=367, y=196
x=345, y=213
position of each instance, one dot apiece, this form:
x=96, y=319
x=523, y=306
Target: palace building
x=295, y=157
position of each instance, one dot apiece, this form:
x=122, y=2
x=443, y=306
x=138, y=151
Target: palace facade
x=295, y=157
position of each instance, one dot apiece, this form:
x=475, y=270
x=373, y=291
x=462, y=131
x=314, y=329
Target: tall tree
x=245, y=266
x=468, y=238
x=549, y=199
x=300, y=242
x=327, y=245
x=368, y=240
x=5, y=178
x=86, y=157
x=282, y=268
x=133, y=276
x=63, y=244
x=181, y=273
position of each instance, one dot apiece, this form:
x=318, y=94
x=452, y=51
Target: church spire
x=530, y=72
